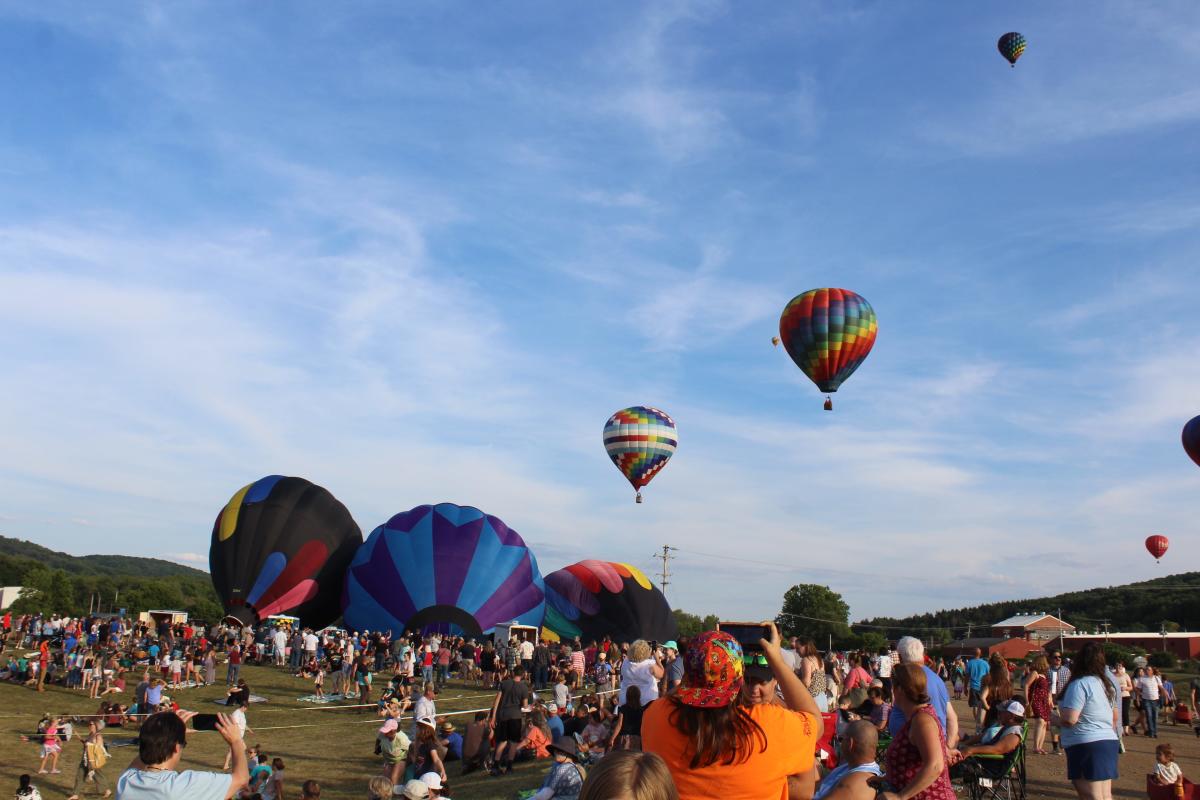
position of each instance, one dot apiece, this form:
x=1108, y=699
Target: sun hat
x=447, y=725
x=432, y=780
x=565, y=745
x=1015, y=708
x=414, y=790
x=712, y=671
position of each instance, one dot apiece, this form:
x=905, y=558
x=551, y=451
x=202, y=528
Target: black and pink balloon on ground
x=281, y=546
x=593, y=599
x=444, y=567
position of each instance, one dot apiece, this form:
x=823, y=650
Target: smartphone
x=747, y=633
x=204, y=722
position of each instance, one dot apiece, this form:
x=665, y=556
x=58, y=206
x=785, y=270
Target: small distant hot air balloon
x=1157, y=545
x=640, y=440
x=1191, y=439
x=1011, y=46
x=828, y=333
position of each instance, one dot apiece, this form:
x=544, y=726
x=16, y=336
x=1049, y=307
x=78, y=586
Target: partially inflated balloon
x=281, y=546
x=1191, y=439
x=447, y=567
x=828, y=333
x=594, y=599
x=1011, y=46
x=640, y=440
x=1157, y=546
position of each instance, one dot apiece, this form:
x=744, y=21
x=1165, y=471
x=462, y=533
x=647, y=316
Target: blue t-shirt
x=454, y=742
x=556, y=727
x=135, y=784
x=153, y=650
x=977, y=670
x=1095, y=712
x=264, y=771
x=939, y=698
x=154, y=695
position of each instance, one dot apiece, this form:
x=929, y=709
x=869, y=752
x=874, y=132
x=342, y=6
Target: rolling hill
x=111, y=565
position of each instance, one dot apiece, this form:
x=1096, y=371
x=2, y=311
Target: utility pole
x=665, y=575
x=1060, y=630
x=1105, y=624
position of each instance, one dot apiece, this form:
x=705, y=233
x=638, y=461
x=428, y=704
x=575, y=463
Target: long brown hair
x=998, y=682
x=726, y=734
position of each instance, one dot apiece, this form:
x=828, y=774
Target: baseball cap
x=413, y=790
x=432, y=780
x=713, y=672
x=427, y=721
x=671, y=645
x=389, y=726
x=1015, y=708
x=552, y=708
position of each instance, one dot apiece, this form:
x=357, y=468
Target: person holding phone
x=643, y=669
x=716, y=743
x=153, y=776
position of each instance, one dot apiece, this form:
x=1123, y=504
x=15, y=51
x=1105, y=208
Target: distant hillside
x=96, y=565
x=1129, y=607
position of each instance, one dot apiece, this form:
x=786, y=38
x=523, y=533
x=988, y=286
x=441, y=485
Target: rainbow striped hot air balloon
x=828, y=333
x=640, y=440
x=281, y=546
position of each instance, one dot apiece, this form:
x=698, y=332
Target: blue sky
x=419, y=252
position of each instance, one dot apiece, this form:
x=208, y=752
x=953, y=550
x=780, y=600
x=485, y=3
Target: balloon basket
x=829, y=404
x=638, y=499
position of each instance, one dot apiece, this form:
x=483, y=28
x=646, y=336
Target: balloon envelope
x=443, y=565
x=640, y=440
x=1191, y=439
x=1157, y=545
x=828, y=333
x=1011, y=46
x=593, y=599
x=281, y=546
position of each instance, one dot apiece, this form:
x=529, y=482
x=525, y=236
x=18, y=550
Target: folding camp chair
x=997, y=777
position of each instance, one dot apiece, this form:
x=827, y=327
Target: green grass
x=334, y=747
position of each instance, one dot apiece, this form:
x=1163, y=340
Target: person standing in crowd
x=917, y=761
x=510, y=702
x=977, y=672
x=812, y=671
x=715, y=743
x=642, y=669
x=541, y=665
x=1058, y=676
x=152, y=774
x=627, y=729
x=1125, y=685
x=1088, y=717
x=643, y=776
x=912, y=651
x=1149, y=689
x=1037, y=693
x=602, y=675
x=233, y=665
x=91, y=762
x=673, y=666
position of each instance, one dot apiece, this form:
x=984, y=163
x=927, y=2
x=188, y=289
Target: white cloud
x=188, y=558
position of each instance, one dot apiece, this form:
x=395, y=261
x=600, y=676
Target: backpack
x=97, y=756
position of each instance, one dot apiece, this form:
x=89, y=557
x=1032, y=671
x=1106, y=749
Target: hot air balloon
x=445, y=567
x=1157, y=545
x=1191, y=439
x=1011, y=45
x=593, y=599
x=282, y=545
x=640, y=440
x=828, y=333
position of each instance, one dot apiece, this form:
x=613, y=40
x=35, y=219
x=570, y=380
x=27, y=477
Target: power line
x=665, y=575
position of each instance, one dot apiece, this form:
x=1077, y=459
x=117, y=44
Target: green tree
x=711, y=621
x=45, y=590
x=810, y=609
x=872, y=641
x=689, y=625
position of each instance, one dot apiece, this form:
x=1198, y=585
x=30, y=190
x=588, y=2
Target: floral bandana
x=712, y=671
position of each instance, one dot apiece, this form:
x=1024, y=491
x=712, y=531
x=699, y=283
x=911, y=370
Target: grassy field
x=331, y=745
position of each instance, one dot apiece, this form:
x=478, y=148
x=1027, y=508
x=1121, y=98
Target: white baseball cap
x=432, y=780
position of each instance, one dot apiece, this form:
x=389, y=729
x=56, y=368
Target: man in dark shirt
x=511, y=701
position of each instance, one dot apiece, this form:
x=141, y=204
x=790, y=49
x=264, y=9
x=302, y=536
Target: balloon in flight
x=828, y=333
x=281, y=546
x=1191, y=439
x=1011, y=46
x=446, y=567
x=640, y=440
x=1157, y=545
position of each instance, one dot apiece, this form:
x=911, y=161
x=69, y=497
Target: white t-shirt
x=141, y=784
x=310, y=642
x=280, y=641
x=640, y=675
x=239, y=718
x=1168, y=773
x=1148, y=686
x=885, y=666
x=526, y=650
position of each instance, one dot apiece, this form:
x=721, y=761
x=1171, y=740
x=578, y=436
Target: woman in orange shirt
x=715, y=743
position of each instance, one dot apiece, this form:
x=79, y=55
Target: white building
x=9, y=595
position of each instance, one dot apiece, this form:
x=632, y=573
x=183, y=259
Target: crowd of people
x=710, y=718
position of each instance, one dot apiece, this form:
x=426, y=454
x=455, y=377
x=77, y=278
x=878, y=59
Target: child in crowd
x=319, y=680
x=1166, y=771
x=26, y=790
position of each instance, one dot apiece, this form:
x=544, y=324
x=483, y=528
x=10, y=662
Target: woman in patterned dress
x=1037, y=692
x=916, y=763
